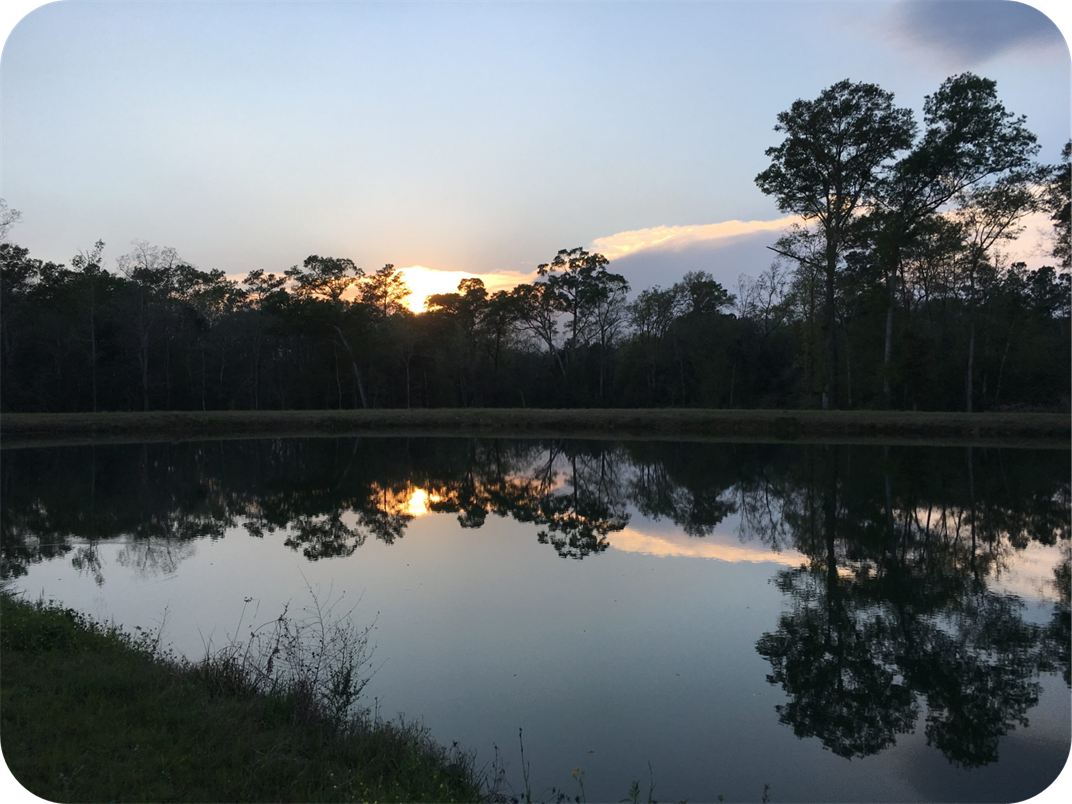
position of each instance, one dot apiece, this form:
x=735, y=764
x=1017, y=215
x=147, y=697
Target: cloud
x=1034, y=246
x=662, y=255
x=973, y=30
x=676, y=238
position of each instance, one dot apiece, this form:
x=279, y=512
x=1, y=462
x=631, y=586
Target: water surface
x=843, y=623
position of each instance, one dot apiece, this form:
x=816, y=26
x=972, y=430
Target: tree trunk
x=848, y=367
x=1001, y=368
x=971, y=364
x=357, y=371
x=830, y=386
x=93, y=337
x=338, y=379
x=733, y=380
x=887, y=353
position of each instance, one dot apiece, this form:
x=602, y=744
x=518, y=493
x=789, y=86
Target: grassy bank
x=1051, y=429
x=90, y=713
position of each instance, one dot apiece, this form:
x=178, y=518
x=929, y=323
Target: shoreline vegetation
x=1002, y=429
x=93, y=713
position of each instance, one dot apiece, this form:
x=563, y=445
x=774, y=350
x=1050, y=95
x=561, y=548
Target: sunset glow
x=424, y=282
x=417, y=504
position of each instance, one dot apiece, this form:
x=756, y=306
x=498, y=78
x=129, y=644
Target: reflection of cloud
x=675, y=238
x=633, y=541
x=973, y=30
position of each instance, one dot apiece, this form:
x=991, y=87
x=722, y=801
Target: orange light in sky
x=424, y=282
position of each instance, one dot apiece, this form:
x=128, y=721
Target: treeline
x=892, y=294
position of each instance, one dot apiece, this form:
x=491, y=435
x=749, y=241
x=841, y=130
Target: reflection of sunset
x=417, y=504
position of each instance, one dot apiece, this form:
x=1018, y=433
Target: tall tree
x=989, y=215
x=90, y=264
x=153, y=270
x=328, y=278
x=1058, y=201
x=970, y=140
x=8, y=218
x=835, y=149
x=386, y=291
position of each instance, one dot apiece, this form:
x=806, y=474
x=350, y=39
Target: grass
x=89, y=712
x=1034, y=429
x=92, y=713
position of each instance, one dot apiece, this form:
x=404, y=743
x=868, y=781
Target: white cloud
x=676, y=238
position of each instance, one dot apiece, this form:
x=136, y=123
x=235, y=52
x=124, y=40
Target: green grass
x=91, y=713
x=1052, y=429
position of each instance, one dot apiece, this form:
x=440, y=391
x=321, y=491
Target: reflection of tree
x=1059, y=631
x=576, y=523
x=842, y=688
x=894, y=611
x=574, y=496
x=324, y=536
x=977, y=672
x=87, y=559
x=892, y=616
x=827, y=654
x=155, y=555
x=903, y=513
x=384, y=514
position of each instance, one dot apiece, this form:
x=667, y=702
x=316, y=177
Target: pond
x=839, y=622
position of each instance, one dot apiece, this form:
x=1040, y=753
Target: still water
x=841, y=623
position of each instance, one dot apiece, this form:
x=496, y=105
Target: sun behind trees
x=890, y=293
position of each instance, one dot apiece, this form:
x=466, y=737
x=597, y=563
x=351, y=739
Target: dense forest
x=891, y=293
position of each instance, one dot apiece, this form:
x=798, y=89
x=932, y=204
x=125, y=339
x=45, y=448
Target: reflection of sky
x=644, y=653
x=663, y=538
x=1027, y=573
x=466, y=137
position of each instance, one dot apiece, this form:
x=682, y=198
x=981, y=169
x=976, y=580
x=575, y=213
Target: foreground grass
x=90, y=713
x=1028, y=428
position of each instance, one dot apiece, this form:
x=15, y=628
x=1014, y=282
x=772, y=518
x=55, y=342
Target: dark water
x=843, y=623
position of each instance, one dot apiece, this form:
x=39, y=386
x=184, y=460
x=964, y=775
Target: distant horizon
x=449, y=139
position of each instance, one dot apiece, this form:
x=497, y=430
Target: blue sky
x=464, y=137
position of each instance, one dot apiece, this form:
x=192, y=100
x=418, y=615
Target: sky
x=456, y=139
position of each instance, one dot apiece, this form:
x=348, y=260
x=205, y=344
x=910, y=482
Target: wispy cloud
x=674, y=238
x=972, y=30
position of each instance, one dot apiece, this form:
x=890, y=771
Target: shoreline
x=81, y=697
x=1051, y=430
